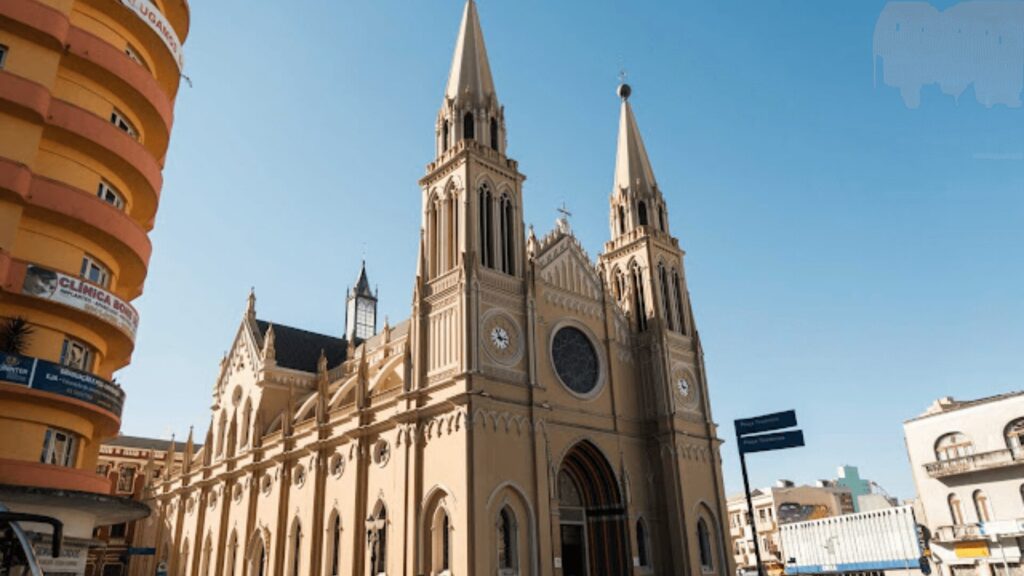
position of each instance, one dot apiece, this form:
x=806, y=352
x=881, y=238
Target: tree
x=15, y=334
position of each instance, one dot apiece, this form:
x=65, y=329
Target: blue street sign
x=142, y=551
x=776, y=441
x=766, y=423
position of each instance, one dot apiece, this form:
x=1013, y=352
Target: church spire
x=470, y=75
x=632, y=166
x=470, y=112
x=636, y=201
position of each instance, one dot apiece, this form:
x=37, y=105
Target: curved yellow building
x=87, y=91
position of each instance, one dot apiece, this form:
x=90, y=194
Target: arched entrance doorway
x=592, y=515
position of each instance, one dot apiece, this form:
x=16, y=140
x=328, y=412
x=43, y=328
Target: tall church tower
x=472, y=230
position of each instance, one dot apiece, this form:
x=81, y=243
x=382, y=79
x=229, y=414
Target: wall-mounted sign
x=771, y=441
x=155, y=19
x=82, y=295
x=56, y=379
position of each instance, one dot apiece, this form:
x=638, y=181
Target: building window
x=508, y=549
x=467, y=126
x=704, y=541
x=3, y=55
x=296, y=548
x=76, y=354
x=110, y=195
x=126, y=479
x=680, y=316
x=661, y=217
x=956, y=513
x=642, y=213
x=494, y=134
x=377, y=534
x=622, y=220
x=59, y=447
x=1015, y=436
x=486, y=220
x=507, y=236
x=117, y=118
x=118, y=531
x=335, y=546
x=641, y=543
x=953, y=445
x=95, y=272
x=134, y=56
x=666, y=299
x=102, y=469
x=444, y=137
x=639, y=302
x=982, y=507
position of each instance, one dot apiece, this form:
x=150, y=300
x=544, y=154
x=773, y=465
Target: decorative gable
x=571, y=280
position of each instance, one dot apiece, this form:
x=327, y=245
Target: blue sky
x=847, y=256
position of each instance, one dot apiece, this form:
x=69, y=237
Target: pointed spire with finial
x=169, y=458
x=269, y=348
x=632, y=166
x=250, y=304
x=470, y=76
x=189, y=447
x=207, y=448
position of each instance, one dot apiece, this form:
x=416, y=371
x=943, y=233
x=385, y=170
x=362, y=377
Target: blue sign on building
x=57, y=379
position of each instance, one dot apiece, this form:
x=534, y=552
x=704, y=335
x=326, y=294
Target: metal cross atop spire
x=564, y=211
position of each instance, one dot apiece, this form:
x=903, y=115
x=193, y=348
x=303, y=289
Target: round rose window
x=575, y=360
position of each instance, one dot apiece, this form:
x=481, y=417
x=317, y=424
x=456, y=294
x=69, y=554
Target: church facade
x=537, y=414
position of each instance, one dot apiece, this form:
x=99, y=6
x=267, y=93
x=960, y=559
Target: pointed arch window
x=232, y=554
x=377, y=535
x=507, y=236
x=666, y=298
x=296, y=548
x=445, y=136
x=467, y=126
x=642, y=553
x=680, y=316
x=452, y=229
x=707, y=563
x=622, y=220
x=639, y=303
x=246, y=422
x=207, y=553
x=494, y=133
x=222, y=426
x=335, y=543
x=661, y=217
x=956, y=512
x=486, y=234
x=641, y=212
x=508, y=550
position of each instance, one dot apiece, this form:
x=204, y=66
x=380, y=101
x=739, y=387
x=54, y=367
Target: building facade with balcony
x=968, y=467
x=778, y=505
x=87, y=90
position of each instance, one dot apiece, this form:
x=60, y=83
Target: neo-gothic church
x=537, y=414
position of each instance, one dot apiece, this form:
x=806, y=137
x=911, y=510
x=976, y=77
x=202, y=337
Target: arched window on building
x=507, y=236
x=661, y=217
x=444, y=136
x=707, y=562
x=641, y=212
x=642, y=553
x=222, y=428
x=207, y=553
x=982, y=507
x=508, y=547
x=452, y=229
x=232, y=442
x=494, y=133
x=639, y=302
x=1015, y=436
x=956, y=513
x=952, y=446
x=296, y=548
x=678, y=289
x=666, y=298
x=232, y=554
x=246, y=423
x=183, y=560
x=377, y=534
x=334, y=543
x=467, y=126
x=486, y=234
x=622, y=220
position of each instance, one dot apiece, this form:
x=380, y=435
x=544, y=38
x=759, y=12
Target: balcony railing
x=974, y=462
x=958, y=532
x=56, y=379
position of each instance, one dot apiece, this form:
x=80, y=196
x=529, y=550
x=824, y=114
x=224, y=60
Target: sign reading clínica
x=81, y=295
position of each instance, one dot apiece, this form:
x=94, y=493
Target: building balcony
x=49, y=381
x=974, y=463
x=958, y=533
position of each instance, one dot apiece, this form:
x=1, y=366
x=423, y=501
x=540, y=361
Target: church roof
x=300, y=349
x=470, y=75
x=632, y=166
x=141, y=442
x=362, y=287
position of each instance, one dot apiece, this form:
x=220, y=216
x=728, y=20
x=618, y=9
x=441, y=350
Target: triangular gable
x=563, y=264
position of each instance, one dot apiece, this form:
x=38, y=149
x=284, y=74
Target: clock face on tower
x=500, y=337
x=683, y=386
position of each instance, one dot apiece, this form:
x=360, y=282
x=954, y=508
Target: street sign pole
x=750, y=513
